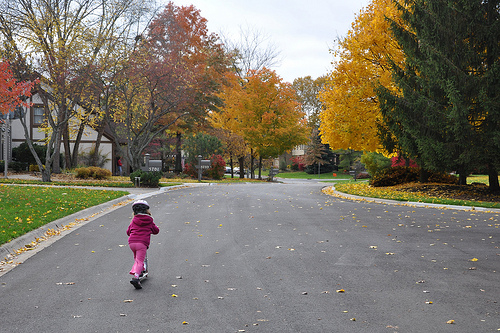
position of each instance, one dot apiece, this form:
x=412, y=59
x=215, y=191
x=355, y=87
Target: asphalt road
x=266, y=258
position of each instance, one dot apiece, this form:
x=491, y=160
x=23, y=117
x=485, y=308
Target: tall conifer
x=447, y=113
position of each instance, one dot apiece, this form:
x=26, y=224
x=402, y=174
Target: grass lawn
x=25, y=208
x=364, y=190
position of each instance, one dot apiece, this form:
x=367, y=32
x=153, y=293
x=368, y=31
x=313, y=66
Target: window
x=38, y=115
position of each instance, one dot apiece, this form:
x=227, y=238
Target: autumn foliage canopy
x=11, y=91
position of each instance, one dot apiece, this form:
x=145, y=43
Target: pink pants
x=139, y=250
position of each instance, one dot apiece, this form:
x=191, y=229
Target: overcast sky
x=303, y=30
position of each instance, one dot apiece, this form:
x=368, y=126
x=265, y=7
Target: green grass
x=362, y=189
x=25, y=208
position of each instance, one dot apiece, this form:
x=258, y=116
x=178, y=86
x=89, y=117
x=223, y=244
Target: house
x=286, y=158
x=35, y=119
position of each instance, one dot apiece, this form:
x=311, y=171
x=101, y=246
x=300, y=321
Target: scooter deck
x=143, y=276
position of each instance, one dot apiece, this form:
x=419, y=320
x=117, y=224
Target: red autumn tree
x=11, y=91
x=169, y=81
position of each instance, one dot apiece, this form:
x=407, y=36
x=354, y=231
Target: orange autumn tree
x=352, y=112
x=263, y=109
x=12, y=91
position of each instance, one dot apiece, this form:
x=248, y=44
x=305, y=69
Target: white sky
x=303, y=30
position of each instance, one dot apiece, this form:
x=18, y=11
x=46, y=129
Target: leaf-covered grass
x=364, y=190
x=94, y=183
x=25, y=208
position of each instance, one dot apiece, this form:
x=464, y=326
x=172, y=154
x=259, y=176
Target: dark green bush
x=18, y=166
x=148, y=179
x=22, y=153
x=401, y=175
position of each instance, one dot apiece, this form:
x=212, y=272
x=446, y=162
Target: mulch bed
x=459, y=192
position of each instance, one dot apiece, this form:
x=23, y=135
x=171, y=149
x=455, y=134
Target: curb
x=347, y=196
x=20, y=249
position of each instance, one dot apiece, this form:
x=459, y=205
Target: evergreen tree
x=446, y=113
x=318, y=156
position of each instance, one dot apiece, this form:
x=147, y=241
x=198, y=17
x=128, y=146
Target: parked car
x=236, y=170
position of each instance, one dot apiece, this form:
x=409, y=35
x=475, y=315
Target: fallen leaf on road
x=474, y=259
x=185, y=323
x=341, y=291
x=450, y=322
x=128, y=301
x=174, y=295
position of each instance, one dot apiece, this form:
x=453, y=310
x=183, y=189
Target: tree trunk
x=56, y=163
x=462, y=179
x=178, y=155
x=424, y=175
x=251, y=164
x=67, y=147
x=493, y=179
x=95, y=153
x=241, y=163
x=260, y=167
x=231, y=164
x=74, y=154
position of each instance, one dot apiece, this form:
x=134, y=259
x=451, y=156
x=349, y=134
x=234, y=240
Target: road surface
x=266, y=257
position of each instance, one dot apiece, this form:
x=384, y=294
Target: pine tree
x=447, y=115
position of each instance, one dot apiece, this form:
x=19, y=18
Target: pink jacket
x=141, y=228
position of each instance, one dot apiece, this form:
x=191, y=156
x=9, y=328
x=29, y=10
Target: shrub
x=99, y=173
x=92, y=172
x=216, y=171
x=148, y=179
x=34, y=168
x=401, y=175
x=190, y=170
x=18, y=166
x=363, y=175
x=82, y=173
x=375, y=162
x=22, y=153
x=170, y=175
x=444, y=178
x=394, y=176
x=298, y=163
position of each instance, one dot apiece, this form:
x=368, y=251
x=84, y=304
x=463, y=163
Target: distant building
x=35, y=119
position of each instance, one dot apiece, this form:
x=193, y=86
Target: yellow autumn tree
x=262, y=109
x=349, y=120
